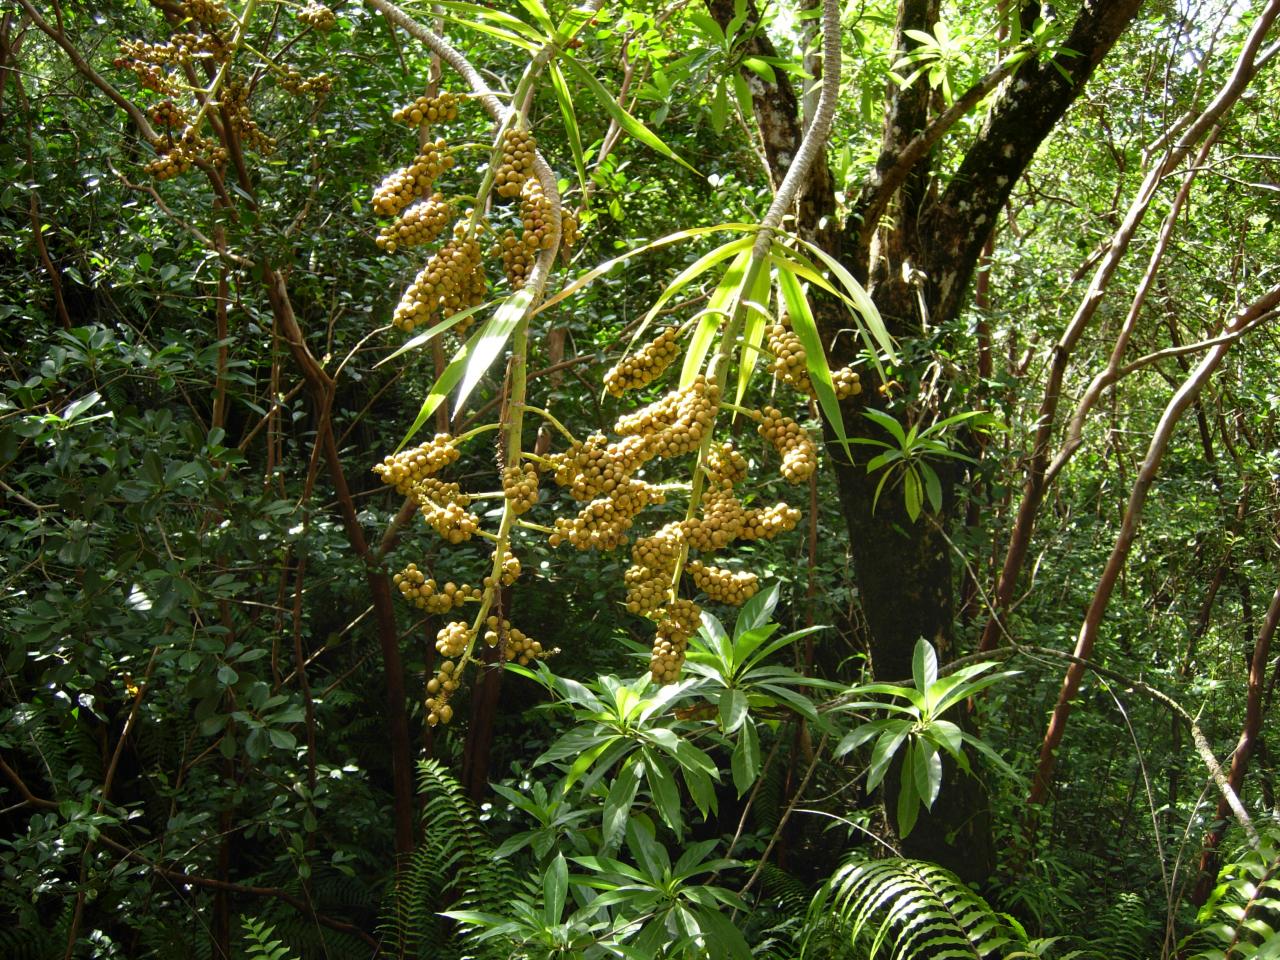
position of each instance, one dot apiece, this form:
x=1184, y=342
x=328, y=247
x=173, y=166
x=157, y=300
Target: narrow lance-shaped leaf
x=601, y=269
x=857, y=293
x=555, y=885
x=806, y=329
x=723, y=302
x=494, y=31
x=687, y=276
x=493, y=337
x=468, y=13
x=625, y=120
x=756, y=319
x=572, y=133
x=449, y=376
x=418, y=339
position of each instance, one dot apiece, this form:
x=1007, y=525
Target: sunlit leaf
x=626, y=121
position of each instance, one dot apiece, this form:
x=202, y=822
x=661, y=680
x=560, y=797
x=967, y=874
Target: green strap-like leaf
x=418, y=339
x=626, y=121
x=723, y=302
x=572, y=133
x=440, y=389
x=806, y=329
x=493, y=337
x=756, y=319
x=601, y=269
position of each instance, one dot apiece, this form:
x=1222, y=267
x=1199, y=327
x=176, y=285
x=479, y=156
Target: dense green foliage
x=214, y=725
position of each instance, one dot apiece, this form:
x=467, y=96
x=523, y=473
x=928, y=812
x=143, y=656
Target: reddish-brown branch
x=1245, y=747
x=1035, y=485
x=1089, y=630
x=55, y=279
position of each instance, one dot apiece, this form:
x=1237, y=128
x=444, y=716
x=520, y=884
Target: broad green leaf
x=861, y=734
x=908, y=800
x=947, y=735
x=926, y=769
x=756, y=612
x=733, y=710
x=555, y=884
x=883, y=752
x=760, y=68
x=493, y=337
x=932, y=486
x=625, y=120
x=663, y=790
x=911, y=493
x=77, y=407
x=617, y=805
x=924, y=666
x=745, y=762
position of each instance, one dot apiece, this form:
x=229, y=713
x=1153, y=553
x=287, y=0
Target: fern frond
x=258, y=942
x=914, y=908
x=453, y=866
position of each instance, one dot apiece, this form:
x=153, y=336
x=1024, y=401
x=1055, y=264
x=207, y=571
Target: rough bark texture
x=918, y=260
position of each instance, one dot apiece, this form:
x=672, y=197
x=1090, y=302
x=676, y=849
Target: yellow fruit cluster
x=208, y=12
x=718, y=525
x=846, y=383
x=535, y=215
x=510, y=570
x=452, y=280
x=235, y=106
x=401, y=187
x=301, y=85
x=721, y=585
x=441, y=687
x=422, y=223
x=768, y=523
x=726, y=467
x=404, y=470
x=603, y=524
x=444, y=507
x=570, y=233
x=520, y=487
x=452, y=639
x=318, y=16
x=426, y=595
x=518, y=256
x=171, y=163
x=515, y=645
x=441, y=108
x=645, y=365
x=674, y=425
x=167, y=114
x=653, y=564
x=680, y=621
x=518, y=148
x=790, y=359
x=798, y=451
